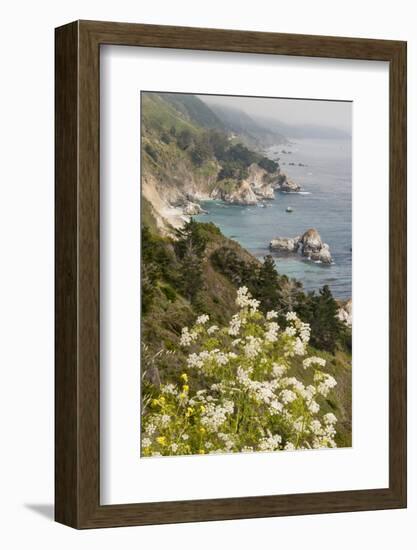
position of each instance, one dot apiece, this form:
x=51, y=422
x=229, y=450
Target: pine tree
x=267, y=286
x=320, y=311
x=190, y=247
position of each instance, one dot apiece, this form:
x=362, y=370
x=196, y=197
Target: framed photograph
x=230, y=274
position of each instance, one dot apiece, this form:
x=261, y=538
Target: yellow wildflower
x=184, y=377
x=161, y=440
x=185, y=388
x=201, y=452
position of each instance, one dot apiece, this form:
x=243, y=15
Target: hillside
x=189, y=155
x=197, y=273
x=253, y=132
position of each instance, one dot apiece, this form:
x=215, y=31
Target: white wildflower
x=211, y=330
x=299, y=347
x=187, y=337
x=288, y=396
x=326, y=383
x=271, y=315
x=314, y=361
x=313, y=407
x=220, y=357
x=234, y=325
x=169, y=389
x=272, y=333
x=330, y=418
x=164, y=420
x=291, y=316
x=243, y=297
x=270, y=443
x=315, y=427
x=202, y=320
x=290, y=331
x=275, y=407
x=253, y=347
x=278, y=370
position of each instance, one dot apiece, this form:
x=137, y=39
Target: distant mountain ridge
x=193, y=108
x=239, y=122
x=303, y=131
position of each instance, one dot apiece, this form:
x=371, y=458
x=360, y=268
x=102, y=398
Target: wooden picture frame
x=77, y=405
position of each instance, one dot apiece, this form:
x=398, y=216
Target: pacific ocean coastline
x=323, y=170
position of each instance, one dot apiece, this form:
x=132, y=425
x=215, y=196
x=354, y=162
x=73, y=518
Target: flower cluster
x=236, y=391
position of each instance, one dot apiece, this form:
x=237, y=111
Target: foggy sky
x=297, y=112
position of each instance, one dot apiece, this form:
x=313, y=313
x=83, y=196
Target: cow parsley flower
x=330, y=418
x=252, y=347
x=271, y=315
x=272, y=333
x=234, y=325
x=291, y=316
x=288, y=396
x=319, y=361
x=202, y=320
x=187, y=337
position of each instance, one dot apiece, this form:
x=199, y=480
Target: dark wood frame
x=77, y=373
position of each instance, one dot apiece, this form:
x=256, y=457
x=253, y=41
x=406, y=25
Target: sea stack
x=309, y=245
x=312, y=247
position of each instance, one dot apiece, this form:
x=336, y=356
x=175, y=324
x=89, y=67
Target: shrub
x=169, y=292
x=268, y=165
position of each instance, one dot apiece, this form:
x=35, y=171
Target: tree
x=267, y=286
x=268, y=165
x=320, y=311
x=185, y=139
x=201, y=150
x=190, y=247
x=218, y=142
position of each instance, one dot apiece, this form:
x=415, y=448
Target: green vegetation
x=181, y=128
x=195, y=272
x=236, y=391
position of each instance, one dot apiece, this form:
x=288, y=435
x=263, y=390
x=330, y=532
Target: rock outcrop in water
x=289, y=186
x=284, y=244
x=309, y=245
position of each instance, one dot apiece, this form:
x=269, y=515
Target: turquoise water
x=325, y=204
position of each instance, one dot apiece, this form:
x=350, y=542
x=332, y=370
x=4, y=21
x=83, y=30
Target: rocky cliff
x=184, y=160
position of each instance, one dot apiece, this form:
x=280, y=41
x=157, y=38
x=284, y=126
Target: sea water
x=324, y=203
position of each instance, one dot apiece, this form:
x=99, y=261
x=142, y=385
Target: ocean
x=325, y=203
